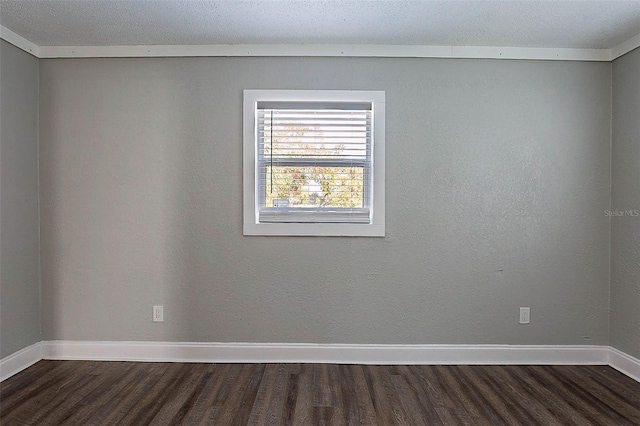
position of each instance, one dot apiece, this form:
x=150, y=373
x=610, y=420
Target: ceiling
x=542, y=24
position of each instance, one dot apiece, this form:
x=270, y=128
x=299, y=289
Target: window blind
x=314, y=162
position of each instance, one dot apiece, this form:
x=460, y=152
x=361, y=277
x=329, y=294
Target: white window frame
x=376, y=227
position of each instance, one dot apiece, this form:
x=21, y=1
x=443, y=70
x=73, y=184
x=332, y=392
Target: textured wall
x=625, y=202
x=19, y=241
x=497, y=179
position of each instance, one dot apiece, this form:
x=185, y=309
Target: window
x=314, y=162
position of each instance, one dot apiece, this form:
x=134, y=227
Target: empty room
x=276, y=212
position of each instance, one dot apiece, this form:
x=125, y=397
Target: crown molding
x=18, y=41
x=625, y=47
x=327, y=50
x=321, y=50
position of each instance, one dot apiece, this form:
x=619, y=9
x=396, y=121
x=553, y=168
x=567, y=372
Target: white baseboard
x=18, y=361
x=320, y=353
x=624, y=363
x=324, y=353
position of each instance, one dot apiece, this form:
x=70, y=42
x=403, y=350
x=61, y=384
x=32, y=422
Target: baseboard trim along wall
x=324, y=353
x=321, y=353
x=624, y=363
x=18, y=361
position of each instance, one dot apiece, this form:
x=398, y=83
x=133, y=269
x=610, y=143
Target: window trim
x=250, y=180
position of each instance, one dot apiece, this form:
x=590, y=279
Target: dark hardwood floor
x=134, y=393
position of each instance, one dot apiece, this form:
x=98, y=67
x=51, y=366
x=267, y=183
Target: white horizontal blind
x=314, y=162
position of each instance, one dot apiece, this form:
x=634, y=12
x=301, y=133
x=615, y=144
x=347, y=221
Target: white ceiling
x=549, y=24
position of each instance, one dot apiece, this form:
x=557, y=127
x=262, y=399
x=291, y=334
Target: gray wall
x=625, y=198
x=497, y=179
x=19, y=235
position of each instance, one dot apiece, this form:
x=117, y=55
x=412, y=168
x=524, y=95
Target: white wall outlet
x=525, y=315
x=158, y=313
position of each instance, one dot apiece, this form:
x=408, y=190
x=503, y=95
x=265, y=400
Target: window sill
x=314, y=229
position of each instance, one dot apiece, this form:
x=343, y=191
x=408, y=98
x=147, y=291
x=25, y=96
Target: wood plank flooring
x=134, y=393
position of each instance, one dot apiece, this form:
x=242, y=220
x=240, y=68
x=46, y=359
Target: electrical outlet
x=525, y=315
x=158, y=313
